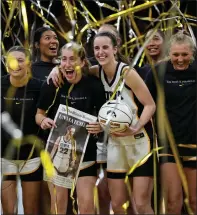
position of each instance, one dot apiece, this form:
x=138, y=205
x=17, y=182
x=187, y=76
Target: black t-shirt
x=41, y=69
x=21, y=105
x=87, y=95
x=143, y=71
x=180, y=99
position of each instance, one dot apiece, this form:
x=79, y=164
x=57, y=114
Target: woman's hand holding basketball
x=94, y=128
x=47, y=123
x=132, y=130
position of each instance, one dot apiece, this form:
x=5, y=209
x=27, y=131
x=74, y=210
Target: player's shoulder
x=94, y=82
x=34, y=84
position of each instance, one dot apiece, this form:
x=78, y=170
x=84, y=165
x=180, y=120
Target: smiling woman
x=181, y=51
x=21, y=105
x=87, y=95
x=179, y=85
x=45, y=51
x=155, y=45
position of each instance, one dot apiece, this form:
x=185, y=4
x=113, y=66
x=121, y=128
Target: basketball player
x=146, y=170
x=179, y=84
x=88, y=96
x=20, y=103
x=119, y=162
x=63, y=152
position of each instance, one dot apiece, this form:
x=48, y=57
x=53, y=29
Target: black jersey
x=143, y=71
x=87, y=95
x=23, y=97
x=180, y=99
x=41, y=69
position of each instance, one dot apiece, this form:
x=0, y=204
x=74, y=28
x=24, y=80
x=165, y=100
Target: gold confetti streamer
x=96, y=200
x=71, y=10
x=116, y=15
x=65, y=36
x=14, y=6
x=47, y=164
x=25, y=21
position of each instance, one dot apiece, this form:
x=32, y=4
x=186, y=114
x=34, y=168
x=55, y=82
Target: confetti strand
x=116, y=15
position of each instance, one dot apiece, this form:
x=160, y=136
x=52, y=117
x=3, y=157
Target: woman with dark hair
x=88, y=96
x=110, y=71
x=155, y=47
x=45, y=51
x=19, y=96
x=178, y=80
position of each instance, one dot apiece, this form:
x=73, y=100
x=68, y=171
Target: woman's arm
x=46, y=99
x=139, y=88
x=57, y=79
x=56, y=76
x=43, y=121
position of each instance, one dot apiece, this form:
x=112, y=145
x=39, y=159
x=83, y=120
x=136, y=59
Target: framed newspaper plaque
x=66, y=145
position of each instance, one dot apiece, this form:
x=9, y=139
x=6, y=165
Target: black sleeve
x=150, y=82
x=47, y=96
x=98, y=93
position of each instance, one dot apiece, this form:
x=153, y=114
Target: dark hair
x=80, y=51
x=39, y=32
x=20, y=49
x=36, y=39
x=111, y=27
x=113, y=38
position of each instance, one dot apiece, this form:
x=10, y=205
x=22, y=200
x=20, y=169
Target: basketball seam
x=114, y=121
x=121, y=111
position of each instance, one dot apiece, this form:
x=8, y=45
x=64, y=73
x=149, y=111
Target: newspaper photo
x=66, y=145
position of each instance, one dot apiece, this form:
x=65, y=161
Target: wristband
x=42, y=120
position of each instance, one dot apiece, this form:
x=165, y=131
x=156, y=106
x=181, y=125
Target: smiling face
x=70, y=61
x=180, y=55
x=104, y=50
x=17, y=64
x=48, y=45
x=155, y=45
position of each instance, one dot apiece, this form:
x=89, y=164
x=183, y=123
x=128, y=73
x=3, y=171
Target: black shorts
x=102, y=165
x=187, y=156
x=34, y=176
x=89, y=171
x=145, y=170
